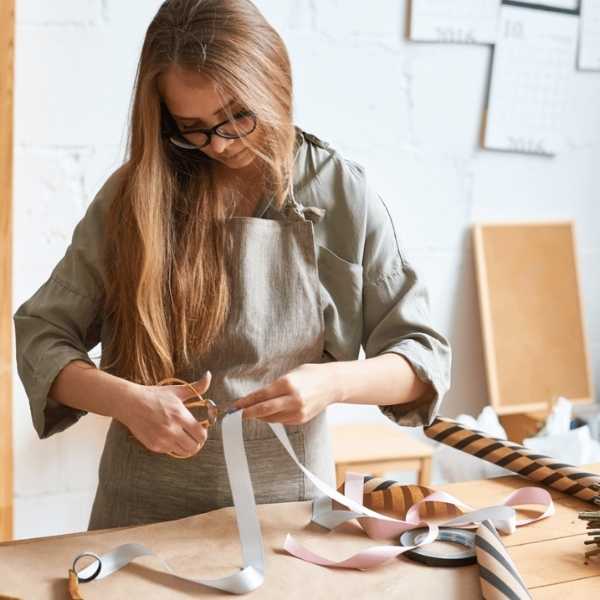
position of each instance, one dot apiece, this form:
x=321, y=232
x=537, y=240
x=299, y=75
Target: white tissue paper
x=451, y=465
x=559, y=420
x=556, y=439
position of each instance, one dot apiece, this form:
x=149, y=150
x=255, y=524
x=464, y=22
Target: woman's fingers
x=276, y=389
x=164, y=424
x=183, y=448
x=202, y=384
x=268, y=408
x=190, y=427
x=186, y=444
x=285, y=418
x=183, y=392
x=193, y=428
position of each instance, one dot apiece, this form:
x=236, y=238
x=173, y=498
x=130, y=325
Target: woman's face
x=193, y=101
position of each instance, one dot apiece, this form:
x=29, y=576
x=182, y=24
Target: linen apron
x=275, y=324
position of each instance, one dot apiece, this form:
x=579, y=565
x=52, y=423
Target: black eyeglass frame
x=177, y=137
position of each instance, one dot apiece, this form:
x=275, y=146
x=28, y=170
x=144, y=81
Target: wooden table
x=549, y=555
x=377, y=449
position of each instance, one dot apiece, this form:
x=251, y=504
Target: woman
x=234, y=250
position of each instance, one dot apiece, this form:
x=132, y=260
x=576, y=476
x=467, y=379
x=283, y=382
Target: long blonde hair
x=167, y=283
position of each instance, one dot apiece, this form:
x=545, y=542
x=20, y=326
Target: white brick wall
x=410, y=112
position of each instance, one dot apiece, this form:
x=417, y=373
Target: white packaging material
x=558, y=440
x=451, y=465
x=575, y=447
x=559, y=420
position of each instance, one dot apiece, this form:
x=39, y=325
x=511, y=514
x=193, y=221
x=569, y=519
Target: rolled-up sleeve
x=61, y=323
x=396, y=316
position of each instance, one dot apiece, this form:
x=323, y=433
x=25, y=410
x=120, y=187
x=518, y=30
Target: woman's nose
x=219, y=144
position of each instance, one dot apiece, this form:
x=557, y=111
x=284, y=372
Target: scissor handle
x=191, y=402
x=211, y=409
x=196, y=400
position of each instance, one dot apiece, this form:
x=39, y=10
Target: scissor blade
x=226, y=409
x=209, y=412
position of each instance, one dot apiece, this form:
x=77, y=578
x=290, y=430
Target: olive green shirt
x=371, y=295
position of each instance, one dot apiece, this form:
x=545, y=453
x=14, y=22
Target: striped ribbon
x=498, y=576
x=388, y=495
x=514, y=457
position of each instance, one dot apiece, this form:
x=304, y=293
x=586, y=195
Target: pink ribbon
x=378, y=526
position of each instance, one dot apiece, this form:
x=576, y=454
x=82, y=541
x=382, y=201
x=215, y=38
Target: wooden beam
x=7, y=39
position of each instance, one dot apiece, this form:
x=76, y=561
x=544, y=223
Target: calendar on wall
x=458, y=21
x=533, y=63
x=589, y=36
x=561, y=4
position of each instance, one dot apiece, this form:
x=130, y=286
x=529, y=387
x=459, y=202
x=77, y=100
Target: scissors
x=214, y=413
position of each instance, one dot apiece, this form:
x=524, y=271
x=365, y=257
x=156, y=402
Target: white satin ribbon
x=376, y=525
x=252, y=575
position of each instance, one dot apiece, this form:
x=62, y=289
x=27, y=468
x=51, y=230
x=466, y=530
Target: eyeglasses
x=242, y=124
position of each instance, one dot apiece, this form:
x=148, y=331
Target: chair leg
x=425, y=471
x=340, y=473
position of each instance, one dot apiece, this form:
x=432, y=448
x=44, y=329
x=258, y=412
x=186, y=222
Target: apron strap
x=292, y=209
x=295, y=211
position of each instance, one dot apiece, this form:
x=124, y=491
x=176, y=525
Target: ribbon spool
x=428, y=555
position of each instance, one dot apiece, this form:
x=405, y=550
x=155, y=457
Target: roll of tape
x=429, y=556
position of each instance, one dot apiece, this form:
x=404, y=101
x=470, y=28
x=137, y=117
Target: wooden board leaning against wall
x=532, y=321
x=7, y=12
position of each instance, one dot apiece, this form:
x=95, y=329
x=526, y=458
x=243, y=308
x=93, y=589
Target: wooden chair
x=377, y=449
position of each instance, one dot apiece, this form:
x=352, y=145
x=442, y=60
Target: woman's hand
x=296, y=397
x=161, y=422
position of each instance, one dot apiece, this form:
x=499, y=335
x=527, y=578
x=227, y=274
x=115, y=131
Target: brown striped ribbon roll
x=514, y=457
x=389, y=496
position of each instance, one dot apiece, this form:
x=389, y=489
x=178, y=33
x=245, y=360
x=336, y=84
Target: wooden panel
x=6, y=143
x=531, y=313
